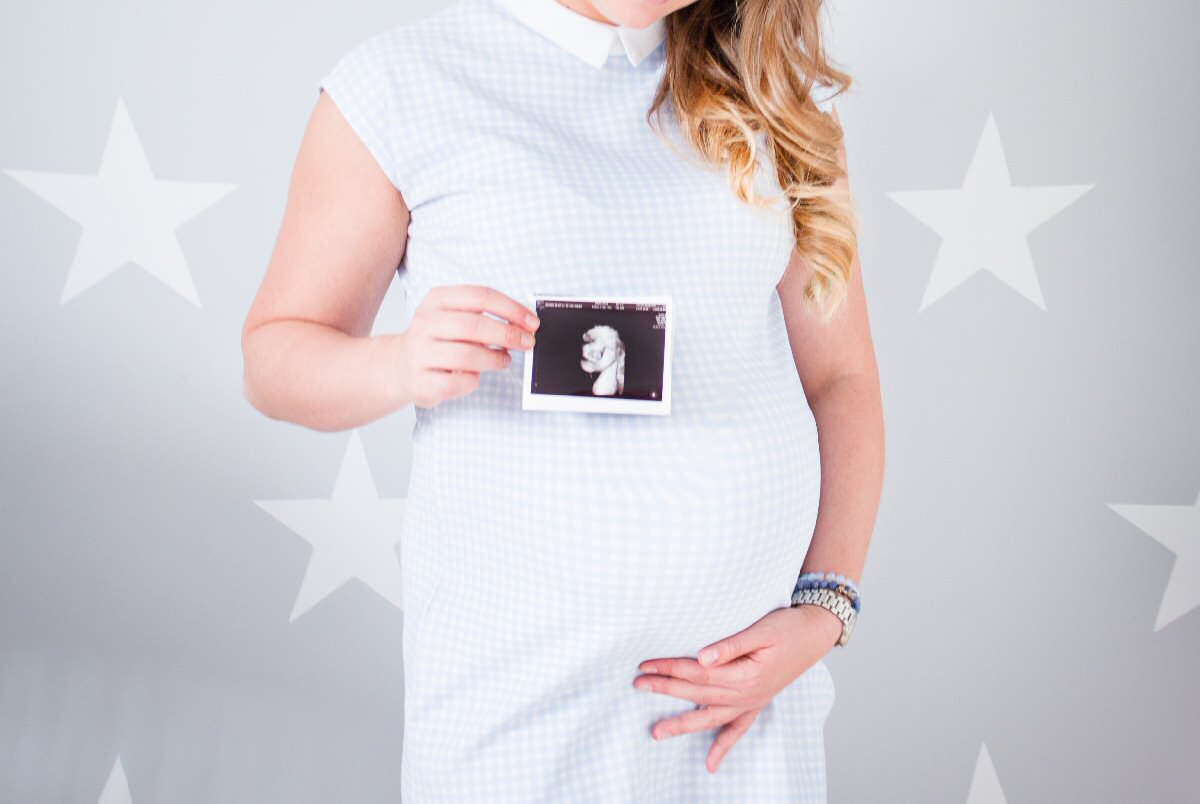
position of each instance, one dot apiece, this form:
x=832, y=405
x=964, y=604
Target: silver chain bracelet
x=833, y=600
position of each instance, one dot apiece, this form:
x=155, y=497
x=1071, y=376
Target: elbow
x=255, y=393
x=252, y=390
x=250, y=393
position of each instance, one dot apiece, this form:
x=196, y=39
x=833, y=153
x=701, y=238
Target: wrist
x=827, y=623
x=395, y=389
x=832, y=622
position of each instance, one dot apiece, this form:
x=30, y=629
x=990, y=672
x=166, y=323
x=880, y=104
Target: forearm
x=849, y=416
x=320, y=377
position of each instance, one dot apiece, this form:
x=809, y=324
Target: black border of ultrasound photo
x=607, y=308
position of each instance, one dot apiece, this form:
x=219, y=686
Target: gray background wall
x=172, y=628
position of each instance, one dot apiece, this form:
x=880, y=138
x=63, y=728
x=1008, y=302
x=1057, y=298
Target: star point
x=116, y=788
x=1177, y=528
x=985, y=782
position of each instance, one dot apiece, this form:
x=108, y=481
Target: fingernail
x=648, y=669
x=532, y=321
x=526, y=339
x=708, y=656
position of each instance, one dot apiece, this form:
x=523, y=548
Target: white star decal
x=116, y=789
x=985, y=784
x=127, y=215
x=1177, y=528
x=353, y=535
x=984, y=223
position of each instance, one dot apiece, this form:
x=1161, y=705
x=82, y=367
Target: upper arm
x=825, y=352
x=344, y=230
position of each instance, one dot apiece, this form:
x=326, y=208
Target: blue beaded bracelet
x=828, y=580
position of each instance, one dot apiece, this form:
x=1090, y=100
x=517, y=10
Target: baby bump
x=633, y=525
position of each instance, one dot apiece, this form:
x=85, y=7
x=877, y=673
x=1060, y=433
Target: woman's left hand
x=747, y=670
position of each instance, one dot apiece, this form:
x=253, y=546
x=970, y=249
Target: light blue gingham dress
x=546, y=554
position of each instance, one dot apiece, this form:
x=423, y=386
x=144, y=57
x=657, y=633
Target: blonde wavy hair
x=738, y=67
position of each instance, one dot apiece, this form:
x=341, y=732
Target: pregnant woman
x=564, y=571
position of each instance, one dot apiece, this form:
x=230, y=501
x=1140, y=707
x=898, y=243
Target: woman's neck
x=586, y=9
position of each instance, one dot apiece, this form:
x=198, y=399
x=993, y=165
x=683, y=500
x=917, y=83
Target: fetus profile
x=604, y=352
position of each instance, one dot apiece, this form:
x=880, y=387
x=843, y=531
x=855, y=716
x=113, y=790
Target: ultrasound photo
x=604, y=354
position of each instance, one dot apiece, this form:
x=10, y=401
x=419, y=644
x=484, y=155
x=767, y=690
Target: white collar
x=589, y=39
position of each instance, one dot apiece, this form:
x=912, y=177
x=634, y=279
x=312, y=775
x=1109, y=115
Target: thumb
x=729, y=648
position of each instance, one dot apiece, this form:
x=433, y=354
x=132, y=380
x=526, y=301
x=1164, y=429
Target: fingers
x=696, y=720
x=455, y=355
x=451, y=384
x=451, y=335
x=698, y=693
x=479, y=299
x=450, y=340
x=728, y=735
x=728, y=648
x=454, y=325
x=758, y=634
x=725, y=675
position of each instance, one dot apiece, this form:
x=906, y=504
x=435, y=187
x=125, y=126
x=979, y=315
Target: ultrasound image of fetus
x=604, y=352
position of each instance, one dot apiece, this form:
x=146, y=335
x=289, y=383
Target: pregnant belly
x=657, y=532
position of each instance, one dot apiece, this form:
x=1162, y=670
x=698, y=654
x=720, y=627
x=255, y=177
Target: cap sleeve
x=362, y=84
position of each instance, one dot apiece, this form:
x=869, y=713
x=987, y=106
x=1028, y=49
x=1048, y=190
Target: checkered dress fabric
x=546, y=554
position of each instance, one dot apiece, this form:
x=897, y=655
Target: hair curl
x=737, y=68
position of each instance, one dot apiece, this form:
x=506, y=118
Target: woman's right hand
x=441, y=354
